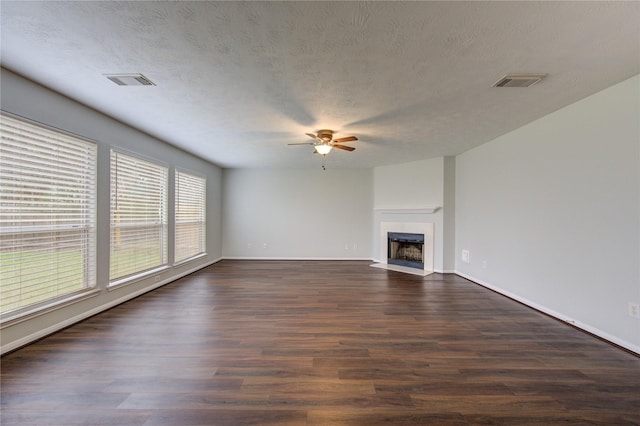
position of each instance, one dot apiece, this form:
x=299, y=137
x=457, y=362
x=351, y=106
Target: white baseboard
x=586, y=327
x=439, y=271
x=293, y=258
x=70, y=321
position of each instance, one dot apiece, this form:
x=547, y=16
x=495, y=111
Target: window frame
x=203, y=214
x=83, y=198
x=162, y=225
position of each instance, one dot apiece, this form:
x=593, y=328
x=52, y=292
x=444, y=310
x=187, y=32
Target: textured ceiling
x=237, y=81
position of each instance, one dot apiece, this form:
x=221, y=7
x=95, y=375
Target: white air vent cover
x=518, y=80
x=130, y=79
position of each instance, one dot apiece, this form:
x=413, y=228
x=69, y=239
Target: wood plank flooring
x=319, y=343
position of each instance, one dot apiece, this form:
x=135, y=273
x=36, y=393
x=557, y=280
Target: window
x=190, y=215
x=138, y=216
x=47, y=216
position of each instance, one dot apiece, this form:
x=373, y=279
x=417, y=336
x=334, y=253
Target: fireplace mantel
x=421, y=210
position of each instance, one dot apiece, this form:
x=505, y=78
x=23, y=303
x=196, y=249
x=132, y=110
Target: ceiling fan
x=324, y=142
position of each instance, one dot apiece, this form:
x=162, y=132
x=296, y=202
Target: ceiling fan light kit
x=323, y=149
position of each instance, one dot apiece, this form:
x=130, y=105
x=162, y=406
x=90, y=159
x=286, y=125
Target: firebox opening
x=406, y=249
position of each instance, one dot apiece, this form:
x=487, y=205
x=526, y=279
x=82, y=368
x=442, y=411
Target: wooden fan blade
x=347, y=139
x=302, y=143
x=312, y=136
x=346, y=148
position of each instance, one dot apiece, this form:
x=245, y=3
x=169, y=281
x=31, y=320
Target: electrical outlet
x=634, y=310
x=264, y=245
x=466, y=256
x=355, y=246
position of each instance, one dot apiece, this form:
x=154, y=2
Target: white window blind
x=138, y=216
x=47, y=215
x=190, y=200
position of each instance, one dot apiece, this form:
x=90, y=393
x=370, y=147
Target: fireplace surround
x=423, y=228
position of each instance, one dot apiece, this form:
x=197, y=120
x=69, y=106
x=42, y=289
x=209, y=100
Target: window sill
x=113, y=285
x=190, y=259
x=36, y=311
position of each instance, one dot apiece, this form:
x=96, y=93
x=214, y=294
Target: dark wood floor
x=335, y=343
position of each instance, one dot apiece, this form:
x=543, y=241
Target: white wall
x=553, y=208
x=27, y=99
x=407, y=186
x=298, y=214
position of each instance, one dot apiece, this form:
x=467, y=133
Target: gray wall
x=27, y=99
x=449, y=215
x=551, y=213
x=298, y=214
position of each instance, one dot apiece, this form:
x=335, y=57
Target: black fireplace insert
x=405, y=249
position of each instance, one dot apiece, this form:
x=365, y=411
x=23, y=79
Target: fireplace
x=405, y=249
x=424, y=265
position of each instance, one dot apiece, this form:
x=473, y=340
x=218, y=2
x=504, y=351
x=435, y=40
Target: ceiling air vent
x=518, y=80
x=130, y=79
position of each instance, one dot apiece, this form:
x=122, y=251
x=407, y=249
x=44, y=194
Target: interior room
x=289, y=140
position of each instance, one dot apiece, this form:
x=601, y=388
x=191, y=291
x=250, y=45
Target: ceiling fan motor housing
x=325, y=135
